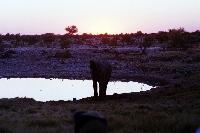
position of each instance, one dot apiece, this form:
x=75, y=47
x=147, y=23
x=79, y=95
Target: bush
x=162, y=37
x=126, y=39
x=177, y=38
x=32, y=40
x=64, y=43
x=62, y=55
x=105, y=40
x=148, y=41
x=48, y=38
x=2, y=49
x=7, y=54
x=43, y=123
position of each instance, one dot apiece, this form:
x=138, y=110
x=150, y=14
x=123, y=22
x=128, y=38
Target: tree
x=32, y=39
x=162, y=37
x=114, y=40
x=65, y=42
x=17, y=38
x=147, y=42
x=177, y=38
x=105, y=40
x=126, y=39
x=1, y=45
x=139, y=34
x=71, y=30
x=48, y=38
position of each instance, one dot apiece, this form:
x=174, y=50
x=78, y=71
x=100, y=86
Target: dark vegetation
x=175, y=39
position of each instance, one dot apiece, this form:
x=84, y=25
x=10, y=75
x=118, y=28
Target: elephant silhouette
x=101, y=73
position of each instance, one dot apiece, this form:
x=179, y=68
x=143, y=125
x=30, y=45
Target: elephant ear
x=92, y=65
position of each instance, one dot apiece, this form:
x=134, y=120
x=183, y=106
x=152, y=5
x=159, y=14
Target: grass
x=152, y=121
x=173, y=110
x=43, y=123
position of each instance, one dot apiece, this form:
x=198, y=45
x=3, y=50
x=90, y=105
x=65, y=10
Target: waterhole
x=61, y=89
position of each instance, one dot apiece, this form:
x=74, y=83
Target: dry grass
x=166, y=114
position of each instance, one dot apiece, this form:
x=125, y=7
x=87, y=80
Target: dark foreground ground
x=171, y=111
x=173, y=107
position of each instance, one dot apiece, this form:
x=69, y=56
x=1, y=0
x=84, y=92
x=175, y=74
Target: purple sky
x=97, y=16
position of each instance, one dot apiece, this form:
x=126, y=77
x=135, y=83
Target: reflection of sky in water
x=57, y=89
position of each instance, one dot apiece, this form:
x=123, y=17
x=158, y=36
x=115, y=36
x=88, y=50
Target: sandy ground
x=34, y=62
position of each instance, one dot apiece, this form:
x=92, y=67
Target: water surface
x=57, y=89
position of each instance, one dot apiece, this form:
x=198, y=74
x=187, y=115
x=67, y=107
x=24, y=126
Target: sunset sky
x=97, y=16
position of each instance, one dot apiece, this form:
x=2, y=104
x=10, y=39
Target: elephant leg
x=102, y=89
x=95, y=89
x=105, y=88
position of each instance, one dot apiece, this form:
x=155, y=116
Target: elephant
x=101, y=73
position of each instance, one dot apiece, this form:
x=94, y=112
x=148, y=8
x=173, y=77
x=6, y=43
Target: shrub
x=105, y=40
x=64, y=43
x=48, y=38
x=43, y=123
x=7, y=54
x=1, y=48
x=177, y=38
x=148, y=41
x=62, y=55
x=114, y=41
x=126, y=39
x=162, y=37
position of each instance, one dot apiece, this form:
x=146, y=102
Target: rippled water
x=58, y=89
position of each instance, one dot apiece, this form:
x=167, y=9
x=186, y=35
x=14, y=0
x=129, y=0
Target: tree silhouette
x=177, y=38
x=1, y=44
x=139, y=34
x=17, y=38
x=162, y=37
x=147, y=42
x=71, y=30
x=48, y=38
x=126, y=39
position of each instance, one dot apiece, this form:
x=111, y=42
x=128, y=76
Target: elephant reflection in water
x=101, y=73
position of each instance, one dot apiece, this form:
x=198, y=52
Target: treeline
x=173, y=38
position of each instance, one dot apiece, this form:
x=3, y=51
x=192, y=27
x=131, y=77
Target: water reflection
x=58, y=89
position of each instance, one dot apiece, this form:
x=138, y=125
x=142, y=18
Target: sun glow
x=102, y=27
